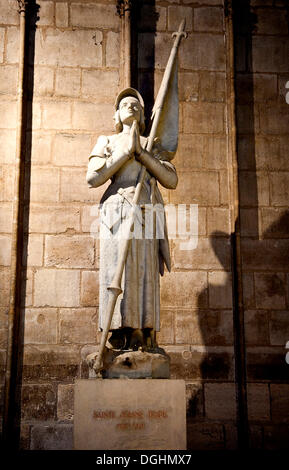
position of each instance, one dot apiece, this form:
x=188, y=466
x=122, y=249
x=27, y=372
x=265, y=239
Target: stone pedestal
x=129, y=414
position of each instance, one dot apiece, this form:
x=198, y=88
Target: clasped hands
x=134, y=145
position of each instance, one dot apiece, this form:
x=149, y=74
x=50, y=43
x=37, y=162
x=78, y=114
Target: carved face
x=129, y=110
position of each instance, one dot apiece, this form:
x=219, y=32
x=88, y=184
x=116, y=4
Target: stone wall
x=263, y=124
x=74, y=77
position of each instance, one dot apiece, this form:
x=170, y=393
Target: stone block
x=71, y=149
x=200, y=187
x=56, y=437
x=8, y=146
x=195, y=401
x=33, y=252
x=272, y=21
x=152, y=18
x=27, y=287
x=8, y=114
x=209, y=254
x=277, y=61
x=231, y=437
x=205, y=437
x=90, y=116
x=224, y=187
x=8, y=79
x=218, y=220
x=5, y=217
x=254, y=188
x=3, y=342
x=246, y=147
x=54, y=219
x=112, y=56
x=4, y=318
x=190, y=153
x=270, y=255
x=67, y=82
x=256, y=327
x=5, y=250
x=283, y=89
x=166, y=334
x=276, y=437
x=208, y=19
x=115, y=415
x=65, y=403
x=45, y=13
x=154, y=50
x=43, y=363
x=68, y=48
x=279, y=328
x=248, y=120
x=44, y=184
x=176, y=14
x=248, y=290
x=270, y=289
x=199, y=364
x=24, y=437
x=89, y=288
x=38, y=145
x=100, y=84
x=61, y=15
x=2, y=37
x=220, y=401
x=94, y=16
x=41, y=326
x=258, y=402
x=11, y=55
x=68, y=192
x=12, y=45
x=184, y=289
x=9, y=12
x=69, y=251
x=56, y=288
x=203, y=118
x=212, y=86
x=189, y=86
x=6, y=183
x=279, y=188
x=90, y=214
x=78, y=325
x=250, y=222
x=203, y=52
x=255, y=437
x=258, y=87
x=220, y=289
x=201, y=151
x=34, y=115
x=274, y=119
x=280, y=402
x=38, y=402
x=56, y=115
x=204, y=327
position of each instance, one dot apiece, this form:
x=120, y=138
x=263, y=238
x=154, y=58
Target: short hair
x=119, y=126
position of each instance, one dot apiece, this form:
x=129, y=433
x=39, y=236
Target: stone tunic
x=138, y=306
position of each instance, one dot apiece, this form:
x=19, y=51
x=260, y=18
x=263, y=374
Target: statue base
x=129, y=414
x=120, y=364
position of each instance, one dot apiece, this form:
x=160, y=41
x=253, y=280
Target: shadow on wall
x=14, y=409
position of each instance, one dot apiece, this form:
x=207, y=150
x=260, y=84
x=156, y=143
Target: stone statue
x=120, y=158
x=133, y=237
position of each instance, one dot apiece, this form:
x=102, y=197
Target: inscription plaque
x=129, y=414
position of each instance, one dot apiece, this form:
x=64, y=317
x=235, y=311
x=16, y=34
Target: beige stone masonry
x=56, y=288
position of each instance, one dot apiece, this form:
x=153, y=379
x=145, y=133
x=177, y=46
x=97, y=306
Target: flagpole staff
x=115, y=287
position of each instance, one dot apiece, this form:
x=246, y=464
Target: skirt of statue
x=138, y=306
